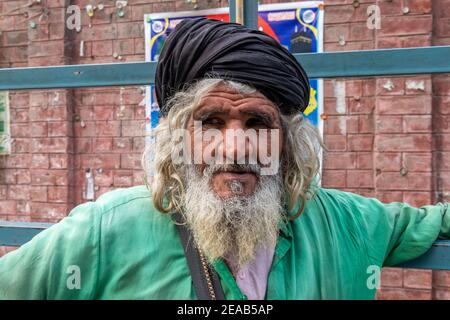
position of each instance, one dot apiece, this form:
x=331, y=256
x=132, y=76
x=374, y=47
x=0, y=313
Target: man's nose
x=237, y=145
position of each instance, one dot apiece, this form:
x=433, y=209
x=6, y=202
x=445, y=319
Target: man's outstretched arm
x=396, y=232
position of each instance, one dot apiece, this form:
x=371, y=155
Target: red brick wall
x=385, y=137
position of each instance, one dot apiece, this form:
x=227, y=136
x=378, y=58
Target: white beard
x=237, y=226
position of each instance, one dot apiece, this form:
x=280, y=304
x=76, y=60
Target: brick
x=403, y=294
x=138, y=144
x=138, y=177
x=139, y=46
x=51, y=211
x=390, y=86
x=335, y=125
x=56, y=31
x=442, y=160
x=418, y=85
x=391, y=277
x=49, y=177
x=122, y=144
x=417, y=199
x=420, y=6
x=48, y=113
x=389, y=124
x=417, y=279
x=391, y=196
x=359, y=179
x=18, y=192
x=59, y=129
x=99, y=32
x=108, y=128
x=133, y=128
x=38, y=129
x=82, y=145
x=130, y=30
x=102, y=144
x=19, y=130
x=366, y=124
x=20, y=160
x=417, y=123
x=130, y=160
x=339, y=160
x=47, y=48
x=403, y=142
x=102, y=48
x=50, y=145
x=365, y=160
x=59, y=161
x=418, y=161
x=8, y=207
x=441, y=294
x=20, y=145
x=395, y=181
x=38, y=193
x=105, y=98
x=442, y=123
x=442, y=27
x=442, y=141
x=335, y=142
x=406, y=25
x=58, y=194
x=103, y=161
x=364, y=105
x=360, y=142
x=124, y=46
x=352, y=124
x=22, y=176
x=441, y=279
x=123, y=178
x=123, y=112
x=404, y=105
x=39, y=161
x=334, y=31
x=442, y=104
x=333, y=178
x=105, y=178
x=15, y=38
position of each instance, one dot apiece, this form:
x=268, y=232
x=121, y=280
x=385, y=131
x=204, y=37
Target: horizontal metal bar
x=405, y=61
x=17, y=233
x=385, y=62
x=78, y=76
x=437, y=258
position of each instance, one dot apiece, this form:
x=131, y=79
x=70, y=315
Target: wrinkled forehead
x=223, y=98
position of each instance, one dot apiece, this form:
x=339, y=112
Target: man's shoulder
x=124, y=197
x=123, y=206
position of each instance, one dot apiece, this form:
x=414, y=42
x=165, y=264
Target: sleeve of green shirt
x=397, y=232
x=59, y=263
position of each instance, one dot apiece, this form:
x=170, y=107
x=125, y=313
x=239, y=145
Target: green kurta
x=125, y=249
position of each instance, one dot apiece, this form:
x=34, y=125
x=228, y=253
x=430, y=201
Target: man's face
x=225, y=110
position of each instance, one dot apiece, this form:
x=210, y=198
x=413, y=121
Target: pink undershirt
x=252, y=279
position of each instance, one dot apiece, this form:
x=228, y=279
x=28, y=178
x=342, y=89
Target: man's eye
x=212, y=121
x=256, y=122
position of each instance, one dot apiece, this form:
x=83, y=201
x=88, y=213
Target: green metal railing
x=387, y=62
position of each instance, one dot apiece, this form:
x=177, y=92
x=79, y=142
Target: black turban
x=199, y=48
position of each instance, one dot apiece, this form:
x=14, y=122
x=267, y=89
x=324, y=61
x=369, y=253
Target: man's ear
x=162, y=119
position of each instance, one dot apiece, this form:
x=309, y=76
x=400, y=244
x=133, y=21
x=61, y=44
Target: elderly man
x=216, y=223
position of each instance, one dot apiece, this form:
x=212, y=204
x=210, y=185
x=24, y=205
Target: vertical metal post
x=244, y=12
x=251, y=13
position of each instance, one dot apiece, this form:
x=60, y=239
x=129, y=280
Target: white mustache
x=209, y=171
